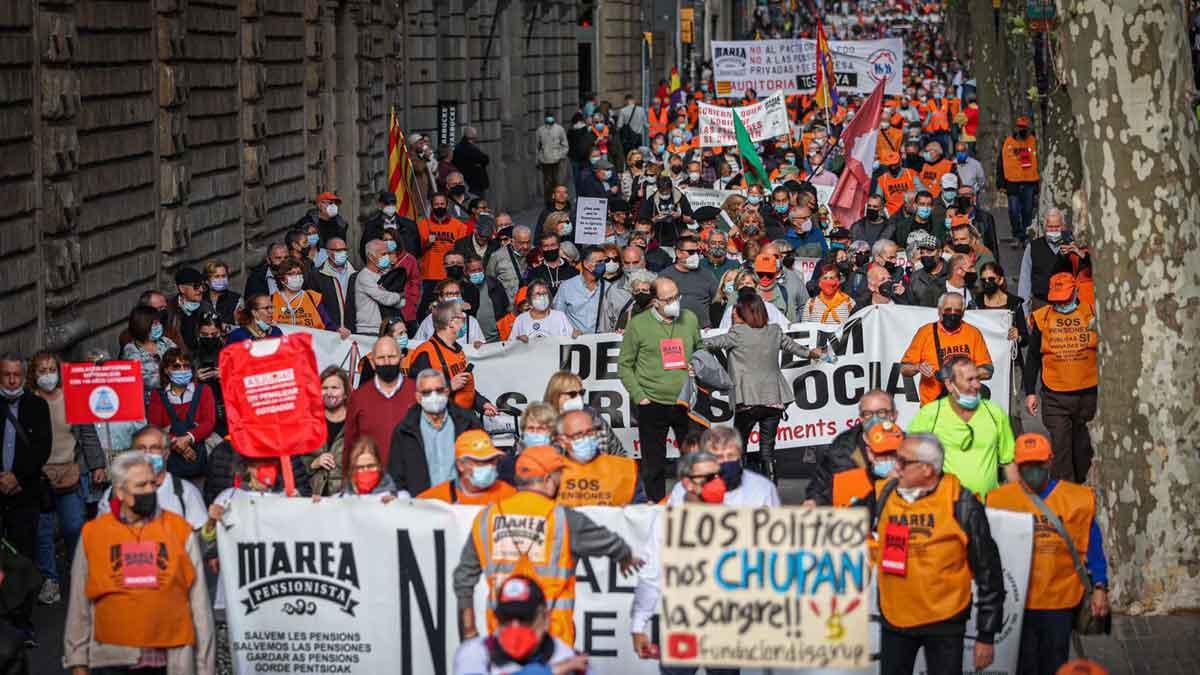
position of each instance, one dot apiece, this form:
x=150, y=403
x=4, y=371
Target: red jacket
x=206, y=414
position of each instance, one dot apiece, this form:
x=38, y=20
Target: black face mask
x=896, y=169
x=990, y=286
x=861, y=259
x=643, y=300
x=963, y=204
x=550, y=255
x=145, y=505
x=439, y=212
x=789, y=259
x=454, y=271
x=844, y=268
x=637, y=163
x=388, y=373
x=961, y=248
x=209, y=344
x=872, y=214
x=970, y=279
x=1022, y=133
x=952, y=321
x=890, y=266
x=1035, y=476
x=458, y=190
x=676, y=169
x=731, y=473
x=929, y=262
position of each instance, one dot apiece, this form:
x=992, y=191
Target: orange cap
x=765, y=262
x=1081, y=667
x=521, y=296
x=889, y=158
x=884, y=437
x=538, y=461
x=329, y=197
x=1023, y=122
x=959, y=221
x=1062, y=287
x=476, y=444
x=1032, y=447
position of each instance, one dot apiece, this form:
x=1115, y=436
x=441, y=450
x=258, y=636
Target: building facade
x=138, y=136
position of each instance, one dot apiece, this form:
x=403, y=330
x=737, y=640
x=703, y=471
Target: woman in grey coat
x=760, y=392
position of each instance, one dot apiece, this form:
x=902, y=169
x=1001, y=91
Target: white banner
x=766, y=119
x=868, y=354
x=367, y=588
x=700, y=197
x=790, y=66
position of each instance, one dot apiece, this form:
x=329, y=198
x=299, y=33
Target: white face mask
x=573, y=404
x=47, y=382
x=911, y=495
x=611, y=268
x=693, y=175
x=295, y=282
x=671, y=309
x=331, y=210
x=434, y=403
x=540, y=302
x=692, y=261
x=389, y=210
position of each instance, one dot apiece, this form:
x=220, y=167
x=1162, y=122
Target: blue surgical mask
x=594, y=160
x=476, y=278
x=1067, y=308
x=314, y=239
x=190, y=306
x=402, y=341
x=462, y=332
x=882, y=467
x=483, y=476
x=339, y=258
x=549, y=119
x=730, y=289
x=754, y=199
x=384, y=262
x=960, y=156
x=790, y=160
x=781, y=208
x=970, y=402
x=584, y=449
x=567, y=229
x=532, y=438
x=391, y=245
x=924, y=211
x=156, y=331
x=180, y=377
x=262, y=325
x=156, y=462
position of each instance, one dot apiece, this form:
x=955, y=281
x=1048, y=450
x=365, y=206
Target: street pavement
x=1155, y=645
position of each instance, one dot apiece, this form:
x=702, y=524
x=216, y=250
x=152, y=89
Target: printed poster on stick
x=103, y=392
x=765, y=588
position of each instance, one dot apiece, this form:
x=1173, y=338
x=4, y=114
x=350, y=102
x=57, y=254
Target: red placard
x=110, y=391
x=895, y=549
x=273, y=396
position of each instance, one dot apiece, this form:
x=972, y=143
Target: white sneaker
x=50, y=594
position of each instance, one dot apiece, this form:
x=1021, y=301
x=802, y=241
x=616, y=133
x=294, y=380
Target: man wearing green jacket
x=653, y=366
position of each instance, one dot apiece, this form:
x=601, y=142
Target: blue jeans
x=70, y=509
x=1045, y=641
x=1020, y=208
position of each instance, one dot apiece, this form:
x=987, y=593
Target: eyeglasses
x=572, y=393
x=579, y=435
x=426, y=392
x=704, y=477
x=903, y=463
x=671, y=299
x=766, y=275
x=867, y=414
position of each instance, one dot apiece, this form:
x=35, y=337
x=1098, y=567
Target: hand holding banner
x=766, y=119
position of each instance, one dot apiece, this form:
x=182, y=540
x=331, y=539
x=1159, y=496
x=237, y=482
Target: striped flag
x=676, y=87
x=400, y=174
x=826, y=93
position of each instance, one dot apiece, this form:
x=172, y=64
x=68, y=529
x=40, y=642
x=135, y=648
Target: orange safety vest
x=444, y=235
x=304, y=314
x=891, y=140
x=931, y=176
x=1053, y=581
x=680, y=150
x=938, y=118
x=149, y=610
x=851, y=487
x=449, y=493
x=451, y=361
x=894, y=187
x=937, y=585
x=527, y=534
x=658, y=120
x=1069, y=343
x=607, y=480
x=1020, y=159
x=505, y=325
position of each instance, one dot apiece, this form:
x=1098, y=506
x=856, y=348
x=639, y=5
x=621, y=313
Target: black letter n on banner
x=435, y=627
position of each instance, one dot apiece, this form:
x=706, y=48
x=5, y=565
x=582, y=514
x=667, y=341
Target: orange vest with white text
x=302, y=311
x=527, y=534
x=1069, y=343
x=931, y=176
x=607, y=480
x=1053, y=581
x=158, y=617
x=937, y=585
x=894, y=187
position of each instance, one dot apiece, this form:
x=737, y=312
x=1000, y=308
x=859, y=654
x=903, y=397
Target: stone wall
x=141, y=135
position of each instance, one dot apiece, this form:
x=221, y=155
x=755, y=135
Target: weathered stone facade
x=140, y=135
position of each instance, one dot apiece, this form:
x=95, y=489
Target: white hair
x=520, y=229
x=945, y=297
x=719, y=438
x=376, y=247
x=430, y=372
x=927, y=449
x=877, y=250
x=639, y=277
x=123, y=463
x=686, y=464
x=1054, y=211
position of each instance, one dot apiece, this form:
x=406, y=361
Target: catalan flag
x=400, y=174
x=826, y=94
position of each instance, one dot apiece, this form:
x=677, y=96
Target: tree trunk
x=1129, y=77
x=1059, y=161
x=990, y=68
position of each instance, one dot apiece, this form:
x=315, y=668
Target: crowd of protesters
x=406, y=422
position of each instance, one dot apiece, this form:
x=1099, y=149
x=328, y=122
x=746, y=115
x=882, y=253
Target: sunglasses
x=704, y=477
x=766, y=275
x=572, y=393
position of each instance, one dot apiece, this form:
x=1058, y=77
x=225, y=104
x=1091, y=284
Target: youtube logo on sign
x=683, y=646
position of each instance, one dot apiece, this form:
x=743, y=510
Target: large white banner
x=867, y=354
x=766, y=119
x=700, y=197
x=366, y=588
x=790, y=66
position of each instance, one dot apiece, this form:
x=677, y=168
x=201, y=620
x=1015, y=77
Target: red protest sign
x=110, y=391
x=273, y=396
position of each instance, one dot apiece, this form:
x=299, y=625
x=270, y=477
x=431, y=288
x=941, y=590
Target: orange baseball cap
x=476, y=444
x=539, y=461
x=884, y=437
x=765, y=262
x=329, y=197
x=1032, y=447
x=959, y=221
x=889, y=158
x=1081, y=667
x=1023, y=122
x=521, y=296
x=1062, y=287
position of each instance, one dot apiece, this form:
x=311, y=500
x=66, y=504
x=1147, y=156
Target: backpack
x=629, y=138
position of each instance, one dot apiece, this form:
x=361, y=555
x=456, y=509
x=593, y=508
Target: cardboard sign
x=110, y=391
x=765, y=588
x=590, y=220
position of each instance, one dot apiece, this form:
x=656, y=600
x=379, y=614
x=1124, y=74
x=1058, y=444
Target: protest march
x=759, y=385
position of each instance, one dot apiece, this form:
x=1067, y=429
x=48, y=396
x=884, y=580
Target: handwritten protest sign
x=766, y=119
x=593, y=214
x=765, y=588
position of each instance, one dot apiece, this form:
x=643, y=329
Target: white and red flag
x=849, y=198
